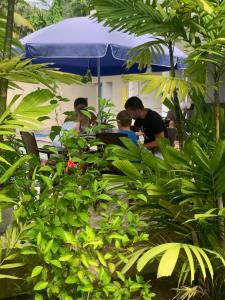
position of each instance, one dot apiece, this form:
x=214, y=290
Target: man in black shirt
x=146, y=120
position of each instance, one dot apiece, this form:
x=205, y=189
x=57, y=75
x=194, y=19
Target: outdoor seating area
x=112, y=150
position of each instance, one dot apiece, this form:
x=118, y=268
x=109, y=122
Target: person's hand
x=139, y=133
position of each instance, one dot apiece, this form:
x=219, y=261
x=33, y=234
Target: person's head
x=123, y=119
x=82, y=119
x=80, y=103
x=134, y=107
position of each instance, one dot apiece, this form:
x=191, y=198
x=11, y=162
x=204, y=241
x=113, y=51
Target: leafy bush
x=79, y=233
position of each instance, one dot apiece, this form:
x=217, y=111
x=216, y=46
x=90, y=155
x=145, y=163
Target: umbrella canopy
x=79, y=44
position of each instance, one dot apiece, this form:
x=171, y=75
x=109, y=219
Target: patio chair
x=31, y=146
x=111, y=138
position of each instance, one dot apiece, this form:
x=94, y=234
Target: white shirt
x=66, y=126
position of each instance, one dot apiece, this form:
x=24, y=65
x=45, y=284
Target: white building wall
x=113, y=87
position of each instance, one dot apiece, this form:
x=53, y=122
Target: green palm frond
x=24, y=116
x=145, y=53
x=195, y=258
x=165, y=86
x=137, y=16
x=23, y=71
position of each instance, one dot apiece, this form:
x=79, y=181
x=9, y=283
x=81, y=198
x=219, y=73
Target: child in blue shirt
x=124, y=122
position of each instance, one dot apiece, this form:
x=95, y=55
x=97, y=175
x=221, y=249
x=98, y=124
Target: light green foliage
x=165, y=86
x=80, y=231
x=41, y=17
x=178, y=194
x=22, y=71
x=10, y=243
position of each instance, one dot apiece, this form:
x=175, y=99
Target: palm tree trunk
x=216, y=106
x=7, y=53
x=176, y=103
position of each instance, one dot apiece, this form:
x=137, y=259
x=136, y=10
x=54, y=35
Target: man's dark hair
x=124, y=118
x=81, y=101
x=134, y=103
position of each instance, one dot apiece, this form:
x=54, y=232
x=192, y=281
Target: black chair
x=31, y=146
x=111, y=138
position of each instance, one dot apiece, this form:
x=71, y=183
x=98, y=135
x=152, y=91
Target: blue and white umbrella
x=79, y=44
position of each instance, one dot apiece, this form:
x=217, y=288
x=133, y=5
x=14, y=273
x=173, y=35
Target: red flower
x=70, y=164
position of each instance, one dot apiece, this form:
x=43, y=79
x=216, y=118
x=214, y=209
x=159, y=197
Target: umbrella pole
x=99, y=87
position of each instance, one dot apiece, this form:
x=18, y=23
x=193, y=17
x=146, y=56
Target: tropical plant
x=76, y=8
x=45, y=14
x=177, y=196
x=78, y=233
x=10, y=243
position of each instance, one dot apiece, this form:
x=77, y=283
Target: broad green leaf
x=41, y=285
x=112, y=267
x=36, y=271
x=33, y=101
x=142, y=197
x=47, y=181
x=38, y=297
x=69, y=238
x=104, y=197
x=101, y=258
x=128, y=169
x=56, y=263
x=71, y=279
x=39, y=238
x=121, y=276
x=168, y=261
x=48, y=246
x=28, y=251
x=66, y=257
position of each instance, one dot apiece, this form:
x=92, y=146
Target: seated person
x=146, y=120
x=80, y=124
x=66, y=126
x=171, y=131
x=80, y=104
x=124, y=121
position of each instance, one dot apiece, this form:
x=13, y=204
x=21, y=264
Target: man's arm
x=154, y=144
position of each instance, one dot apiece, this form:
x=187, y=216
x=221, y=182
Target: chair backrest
x=172, y=135
x=30, y=143
x=111, y=138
